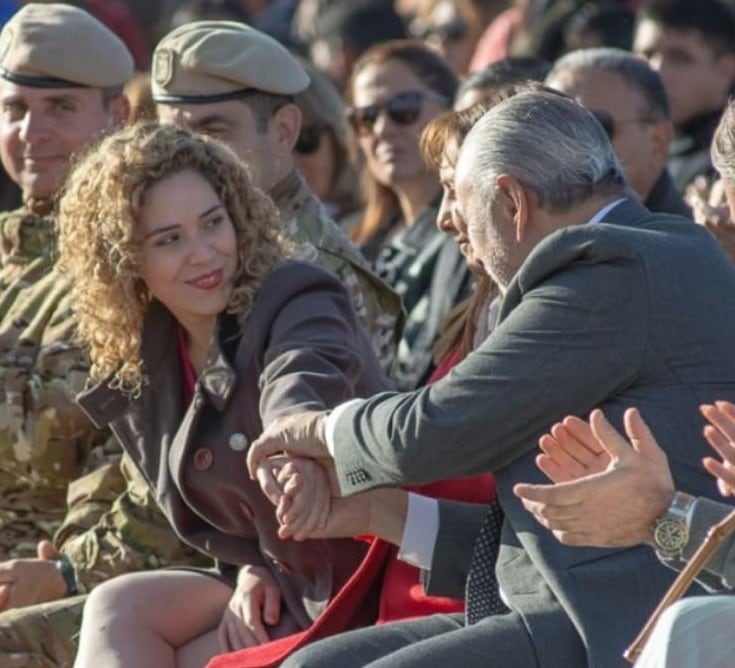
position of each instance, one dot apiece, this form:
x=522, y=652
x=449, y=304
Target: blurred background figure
x=396, y=88
x=322, y=149
x=692, y=46
x=138, y=91
x=453, y=27
x=485, y=83
x=628, y=98
x=600, y=23
x=344, y=29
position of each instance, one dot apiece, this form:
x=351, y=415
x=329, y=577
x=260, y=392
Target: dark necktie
x=482, y=595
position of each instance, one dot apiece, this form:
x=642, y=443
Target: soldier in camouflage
x=235, y=83
x=113, y=524
x=55, y=99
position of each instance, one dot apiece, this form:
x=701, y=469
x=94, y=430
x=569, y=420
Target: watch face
x=670, y=535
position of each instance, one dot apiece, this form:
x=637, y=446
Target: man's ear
x=513, y=199
x=284, y=129
x=120, y=110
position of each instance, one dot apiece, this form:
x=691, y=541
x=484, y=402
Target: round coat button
x=203, y=459
x=238, y=442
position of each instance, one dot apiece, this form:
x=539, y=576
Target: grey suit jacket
x=638, y=312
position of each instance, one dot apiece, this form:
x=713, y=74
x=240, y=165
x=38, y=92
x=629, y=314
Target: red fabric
x=118, y=17
x=401, y=593
x=187, y=369
x=494, y=44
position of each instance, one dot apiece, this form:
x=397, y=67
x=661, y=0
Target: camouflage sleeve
x=114, y=526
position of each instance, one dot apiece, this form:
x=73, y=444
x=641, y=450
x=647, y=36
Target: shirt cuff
x=419, y=531
x=331, y=425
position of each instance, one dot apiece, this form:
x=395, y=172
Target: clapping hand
x=721, y=436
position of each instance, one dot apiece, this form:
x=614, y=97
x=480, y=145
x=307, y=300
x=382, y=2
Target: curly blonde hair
x=99, y=250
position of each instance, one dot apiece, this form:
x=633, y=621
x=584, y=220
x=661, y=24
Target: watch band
x=67, y=572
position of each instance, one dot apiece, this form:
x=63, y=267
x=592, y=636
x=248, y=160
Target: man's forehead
x=230, y=111
x=650, y=35
x=13, y=91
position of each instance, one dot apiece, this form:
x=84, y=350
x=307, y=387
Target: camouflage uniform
x=319, y=240
x=113, y=524
x=45, y=439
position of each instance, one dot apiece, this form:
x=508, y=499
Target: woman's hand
x=255, y=602
x=721, y=436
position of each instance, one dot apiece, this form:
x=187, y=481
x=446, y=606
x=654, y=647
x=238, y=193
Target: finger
x=253, y=622
x=568, y=466
x=722, y=416
x=725, y=475
x=548, y=466
x=260, y=450
x=271, y=604
x=581, y=431
x=561, y=494
x=238, y=635
x=610, y=439
x=46, y=550
x=5, y=596
x=268, y=483
x=721, y=444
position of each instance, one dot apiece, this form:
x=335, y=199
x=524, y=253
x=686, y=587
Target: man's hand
x=721, y=436
x=28, y=581
x=255, y=602
x=570, y=451
x=616, y=506
x=300, y=490
x=299, y=435
x=710, y=209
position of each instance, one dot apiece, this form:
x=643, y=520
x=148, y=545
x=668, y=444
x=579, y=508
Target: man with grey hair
x=629, y=99
x=592, y=315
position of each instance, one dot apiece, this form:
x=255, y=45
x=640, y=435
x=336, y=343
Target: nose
x=31, y=128
x=444, y=216
x=200, y=250
x=382, y=124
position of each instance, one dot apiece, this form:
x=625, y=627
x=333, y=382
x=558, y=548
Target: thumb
x=641, y=437
x=271, y=603
x=47, y=551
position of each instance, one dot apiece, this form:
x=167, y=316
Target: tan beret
x=209, y=61
x=55, y=46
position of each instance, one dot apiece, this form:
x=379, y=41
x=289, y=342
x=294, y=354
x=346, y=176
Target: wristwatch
x=671, y=530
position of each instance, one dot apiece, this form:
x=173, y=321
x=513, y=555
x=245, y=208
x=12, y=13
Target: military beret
x=59, y=46
x=211, y=61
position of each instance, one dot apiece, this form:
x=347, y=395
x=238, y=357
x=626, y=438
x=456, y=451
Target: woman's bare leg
x=141, y=619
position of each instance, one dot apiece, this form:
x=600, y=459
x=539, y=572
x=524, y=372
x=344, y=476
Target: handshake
x=295, y=470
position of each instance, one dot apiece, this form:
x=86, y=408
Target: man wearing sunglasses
x=593, y=286
x=629, y=100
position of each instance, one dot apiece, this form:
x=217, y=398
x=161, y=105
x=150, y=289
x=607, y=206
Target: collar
x=28, y=235
x=285, y=192
x=604, y=211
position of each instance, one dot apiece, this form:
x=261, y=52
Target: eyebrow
x=168, y=228
x=212, y=119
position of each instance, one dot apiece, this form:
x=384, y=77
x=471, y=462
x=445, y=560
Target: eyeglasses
x=610, y=124
x=310, y=138
x=402, y=109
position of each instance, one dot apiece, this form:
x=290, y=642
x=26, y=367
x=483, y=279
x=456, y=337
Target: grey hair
x=723, y=144
x=552, y=145
x=635, y=71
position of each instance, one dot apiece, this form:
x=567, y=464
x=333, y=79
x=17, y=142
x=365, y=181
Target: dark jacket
x=665, y=198
x=300, y=348
x=689, y=155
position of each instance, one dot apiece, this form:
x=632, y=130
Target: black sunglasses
x=609, y=124
x=402, y=109
x=310, y=138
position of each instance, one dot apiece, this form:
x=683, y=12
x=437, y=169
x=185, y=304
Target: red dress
x=401, y=594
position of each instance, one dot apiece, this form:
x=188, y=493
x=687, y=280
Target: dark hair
x=713, y=19
x=636, y=73
x=435, y=72
x=264, y=106
x=506, y=71
x=608, y=22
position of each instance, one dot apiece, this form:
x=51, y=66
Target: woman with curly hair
x=200, y=332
